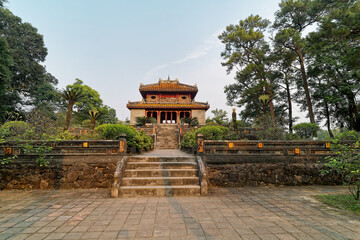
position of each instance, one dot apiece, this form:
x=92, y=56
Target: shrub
x=86, y=123
x=64, y=135
x=135, y=139
x=14, y=129
x=345, y=160
x=141, y=121
x=209, y=132
x=192, y=121
x=292, y=136
x=305, y=130
x=271, y=133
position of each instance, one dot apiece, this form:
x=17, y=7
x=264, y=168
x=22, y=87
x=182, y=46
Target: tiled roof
x=142, y=105
x=168, y=86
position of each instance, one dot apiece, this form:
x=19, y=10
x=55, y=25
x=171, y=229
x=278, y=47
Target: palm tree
x=93, y=116
x=71, y=96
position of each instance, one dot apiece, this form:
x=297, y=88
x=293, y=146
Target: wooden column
x=177, y=116
x=158, y=117
x=166, y=113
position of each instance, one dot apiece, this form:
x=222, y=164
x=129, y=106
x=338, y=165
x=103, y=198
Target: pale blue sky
x=115, y=45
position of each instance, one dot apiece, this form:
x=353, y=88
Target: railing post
x=200, y=143
x=123, y=147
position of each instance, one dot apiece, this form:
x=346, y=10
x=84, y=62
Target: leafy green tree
x=220, y=117
x=247, y=51
x=5, y=76
x=290, y=22
x=71, y=96
x=335, y=65
x=28, y=52
x=305, y=130
x=91, y=100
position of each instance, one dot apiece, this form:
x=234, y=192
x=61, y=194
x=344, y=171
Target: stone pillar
x=122, y=147
x=200, y=143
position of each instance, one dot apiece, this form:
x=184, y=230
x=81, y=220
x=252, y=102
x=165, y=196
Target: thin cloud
x=203, y=49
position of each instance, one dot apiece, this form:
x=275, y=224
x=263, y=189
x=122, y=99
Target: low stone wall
x=72, y=164
x=255, y=163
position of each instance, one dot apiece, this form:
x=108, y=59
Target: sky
x=114, y=45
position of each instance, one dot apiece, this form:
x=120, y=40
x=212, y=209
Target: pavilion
x=168, y=101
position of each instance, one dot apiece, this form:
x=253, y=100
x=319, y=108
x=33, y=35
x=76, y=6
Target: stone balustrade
x=256, y=163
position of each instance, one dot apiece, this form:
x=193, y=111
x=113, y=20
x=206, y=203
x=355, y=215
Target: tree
x=5, y=76
x=71, y=96
x=291, y=21
x=220, y=117
x=305, y=130
x=94, y=115
x=248, y=52
x=27, y=50
x=335, y=66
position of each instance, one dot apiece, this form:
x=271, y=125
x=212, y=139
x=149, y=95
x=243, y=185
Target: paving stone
x=235, y=213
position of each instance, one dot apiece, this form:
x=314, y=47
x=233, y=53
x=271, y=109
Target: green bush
x=292, y=136
x=14, y=129
x=345, y=160
x=135, y=139
x=305, y=130
x=209, y=132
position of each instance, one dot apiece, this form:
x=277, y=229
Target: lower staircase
x=160, y=176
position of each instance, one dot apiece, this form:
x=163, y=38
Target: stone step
x=159, y=181
x=165, y=147
x=161, y=165
x=160, y=173
x=131, y=191
x=161, y=159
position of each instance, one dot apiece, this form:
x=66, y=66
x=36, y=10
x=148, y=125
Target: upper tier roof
x=168, y=86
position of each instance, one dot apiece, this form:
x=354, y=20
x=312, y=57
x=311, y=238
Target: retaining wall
x=72, y=164
x=255, y=163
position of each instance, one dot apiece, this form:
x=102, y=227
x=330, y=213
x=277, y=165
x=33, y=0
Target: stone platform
x=227, y=213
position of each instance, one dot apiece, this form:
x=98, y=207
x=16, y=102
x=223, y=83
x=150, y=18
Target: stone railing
x=202, y=176
x=257, y=151
x=67, y=147
x=118, y=175
x=257, y=163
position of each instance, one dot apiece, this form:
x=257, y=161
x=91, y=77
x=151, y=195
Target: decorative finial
x=168, y=77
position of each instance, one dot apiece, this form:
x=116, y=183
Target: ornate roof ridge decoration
x=168, y=86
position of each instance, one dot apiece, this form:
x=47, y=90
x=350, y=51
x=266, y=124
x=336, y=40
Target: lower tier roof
x=142, y=105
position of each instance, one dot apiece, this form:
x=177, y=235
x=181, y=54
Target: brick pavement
x=234, y=213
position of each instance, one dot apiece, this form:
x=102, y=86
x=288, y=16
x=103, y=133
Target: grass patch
x=342, y=201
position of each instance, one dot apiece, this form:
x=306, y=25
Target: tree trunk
x=353, y=112
x=92, y=124
x=306, y=88
x=271, y=105
x=68, y=115
x=289, y=104
x=328, y=123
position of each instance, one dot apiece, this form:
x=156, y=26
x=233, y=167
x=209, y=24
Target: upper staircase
x=166, y=137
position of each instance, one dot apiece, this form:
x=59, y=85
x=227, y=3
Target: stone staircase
x=166, y=137
x=160, y=176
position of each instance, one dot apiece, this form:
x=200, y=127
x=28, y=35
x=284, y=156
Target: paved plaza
x=235, y=213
